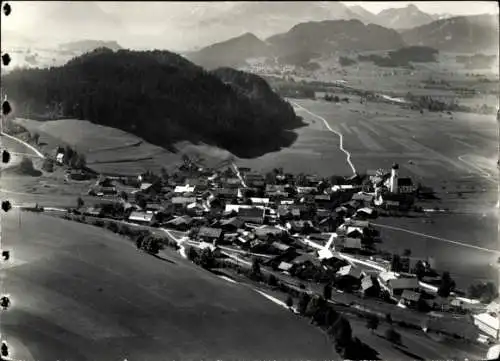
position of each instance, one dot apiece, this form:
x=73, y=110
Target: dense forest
x=159, y=96
x=403, y=57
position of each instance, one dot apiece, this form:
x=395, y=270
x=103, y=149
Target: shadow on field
x=164, y=259
x=409, y=354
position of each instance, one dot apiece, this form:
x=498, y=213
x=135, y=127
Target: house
x=182, y=223
x=252, y=215
x=323, y=200
x=153, y=208
x=231, y=224
x=306, y=258
x=370, y=286
x=268, y=230
x=141, y=217
x=275, y=188
x=405, y=186
x=364, y=199
x=184, y=189
x=299, y=226
x=227, y=193
x=394, y=201
x=306, y=190
x=410, y=298
x=398, y=285
x=329, y=224
x=208, y=234
x=260, y=201
x=349, y=244
x=365, y=213
x=60, y=158
x=281, y=247
x=493, y=353
x=350, y=271
x=92, y=211
x=254, y=180
x=195, y=209
x=489, y=324
x=183, y=201
x=145, y=186
x=285, y=267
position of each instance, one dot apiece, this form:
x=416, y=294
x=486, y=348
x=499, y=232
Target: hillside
x=467, y=34
x=329, y=36
x=232, y=52
x=159, y=96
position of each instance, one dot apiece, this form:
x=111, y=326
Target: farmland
x=104, y=300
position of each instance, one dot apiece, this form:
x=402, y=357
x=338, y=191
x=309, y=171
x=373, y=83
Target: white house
x=488, y=323
x=184, y=189
x=60, y=158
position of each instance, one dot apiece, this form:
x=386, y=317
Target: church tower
x=394, y=179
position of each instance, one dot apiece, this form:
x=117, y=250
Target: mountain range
x=462, y=34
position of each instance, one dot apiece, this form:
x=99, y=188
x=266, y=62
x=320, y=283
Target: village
x=298, y=227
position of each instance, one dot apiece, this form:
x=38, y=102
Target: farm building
x=141, y=217
x=251, y=215
x=208, y=234
x=399, y=285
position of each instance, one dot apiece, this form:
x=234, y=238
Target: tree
x=289, y=301
x=303, y=302
x=207, y=259
x=447, y=285
x=36, y=138
x=272, y=280
x=407, y=252
x=48, y=165
x=79, y=202
x=396, y=263
x=139, y=240
x=486, y=292
x=255, y=272
x=372, y=323
x=342, y=333
x=124, y=195
x=420, y=270
x=79, y=161
x=388, y=318
x=312, y=307
x=393, y=336
x=192, y=254
x=327, y=291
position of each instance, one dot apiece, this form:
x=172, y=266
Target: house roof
x=362, y=197
x=387, y=276
x=140, y=216
x=251, y=212
x=275, y=188
x=284, y=266
x=268, y=230
x=256, y=200
x=366, y=210
x=350, y=270
x=411, y=295
x=354, y=243
x=366, y=282
x=306, y=257
x=403, y=283
x=280, y=246
x=210, y=232
x=231, y=192
x=234, y=221
x=180, y=220
x=183, y=200
x=184, y=189
x=322, y=197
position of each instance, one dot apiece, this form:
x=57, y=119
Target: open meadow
x=91, y=295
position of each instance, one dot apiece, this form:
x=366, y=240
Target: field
x=452, y=155
x=110, y=150
x=89, y=295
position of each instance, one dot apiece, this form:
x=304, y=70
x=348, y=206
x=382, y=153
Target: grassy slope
x=89, y=295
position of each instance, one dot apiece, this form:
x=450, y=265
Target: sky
x=172, y=25
x=432, y=7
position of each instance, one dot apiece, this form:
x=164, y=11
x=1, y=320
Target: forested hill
x=159, y=96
